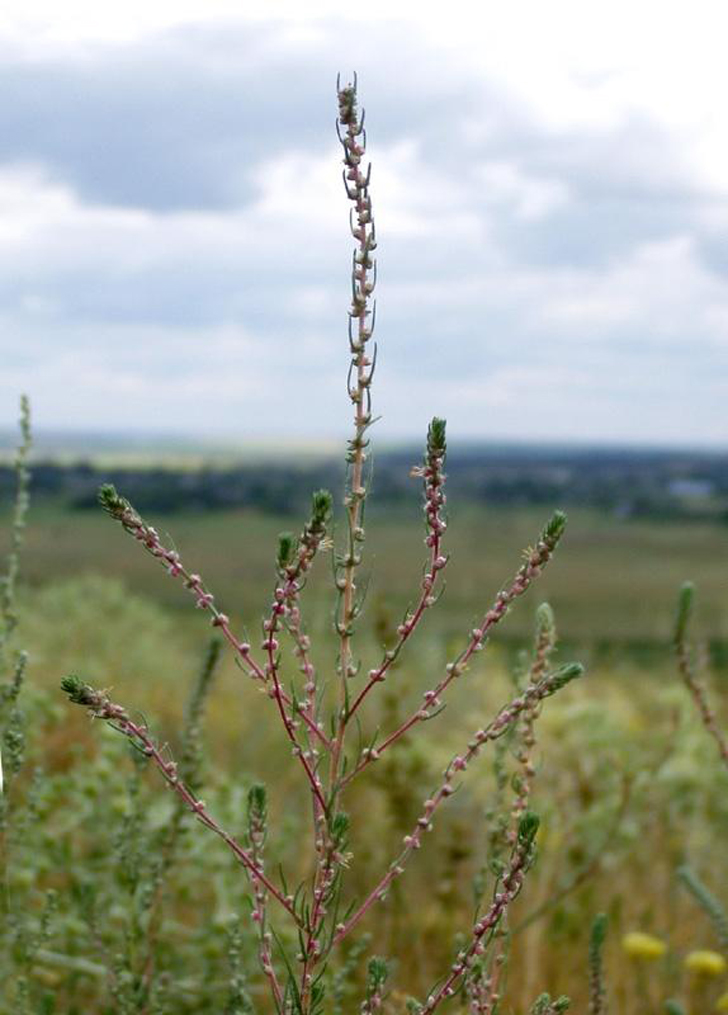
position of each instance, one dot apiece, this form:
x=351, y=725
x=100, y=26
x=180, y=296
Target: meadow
x=627, y=787
x=613, y=586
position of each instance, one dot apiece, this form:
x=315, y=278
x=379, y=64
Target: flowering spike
x=597, y=993
x=527, y=828
x=685, y=602
x=436, y=442
x=112, y=502
x=257, y=803
x=286, y=549
x=554, y=529
x=79, y=692
x=322, y=503
x=565, y=674
x=545, y=621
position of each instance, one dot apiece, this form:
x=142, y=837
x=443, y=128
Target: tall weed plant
x=364, y=873
x=307, y=926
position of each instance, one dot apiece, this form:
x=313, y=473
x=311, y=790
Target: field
x=628, y=786
x=613, y=585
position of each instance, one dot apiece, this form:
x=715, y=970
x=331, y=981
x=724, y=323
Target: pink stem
x=525, y=754
x=105, y=709
x=492, y=731
x=510, y=887
x=700, y=697
x=149, y=538
x=361, y=371
x=537, y=559
x=434, y=502
x=259, y=915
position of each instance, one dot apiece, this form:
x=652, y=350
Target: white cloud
x=553, y=253
x=532, y=197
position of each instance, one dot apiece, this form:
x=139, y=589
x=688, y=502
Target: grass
x=613, y=584
x=625, y=776
x=628, y=793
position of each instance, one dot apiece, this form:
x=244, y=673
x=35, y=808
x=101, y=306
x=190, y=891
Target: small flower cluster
x=647, y=948
x=376, y=978
x=639, y=945
x=704, y=962
x=544, y=1005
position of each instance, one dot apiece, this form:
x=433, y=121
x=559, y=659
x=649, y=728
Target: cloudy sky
x=550, y=184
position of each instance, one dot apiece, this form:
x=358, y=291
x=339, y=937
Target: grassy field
x=628, y=786
x=613, y=583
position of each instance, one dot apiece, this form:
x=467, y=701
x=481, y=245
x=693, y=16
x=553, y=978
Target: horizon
x=74, y=445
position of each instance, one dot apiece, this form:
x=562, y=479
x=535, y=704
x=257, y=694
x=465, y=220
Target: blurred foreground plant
x=688, y=669
x=304, y=929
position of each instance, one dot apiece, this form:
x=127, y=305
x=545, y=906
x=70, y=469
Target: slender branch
x=294, y=562
x=361, y=371
x=498, y=726
x=506, y=892
x=545, y=644
x=257, y=830
x=101, y=707
x=597, y=990
x=122, y=511
x=434, y=479
x=543, y=650
x=332, y=856
x=689, y=675
x=536, y=560
x=8, y=616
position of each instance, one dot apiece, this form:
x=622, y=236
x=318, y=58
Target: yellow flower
x=706, y=963
x=643, y=946
x=722, y=1003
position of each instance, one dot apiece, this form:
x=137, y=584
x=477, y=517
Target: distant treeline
x=653, y=484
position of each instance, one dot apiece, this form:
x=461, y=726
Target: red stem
x=495, y=729
x=434, y=501
x=122, y=722
x=527, y=573
x=699, y=696
x=149, y=538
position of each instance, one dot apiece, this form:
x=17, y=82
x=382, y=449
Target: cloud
x=174, y=250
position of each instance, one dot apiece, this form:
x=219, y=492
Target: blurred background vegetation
x=628, y=785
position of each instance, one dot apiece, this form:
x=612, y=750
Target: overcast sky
x=550, y=185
